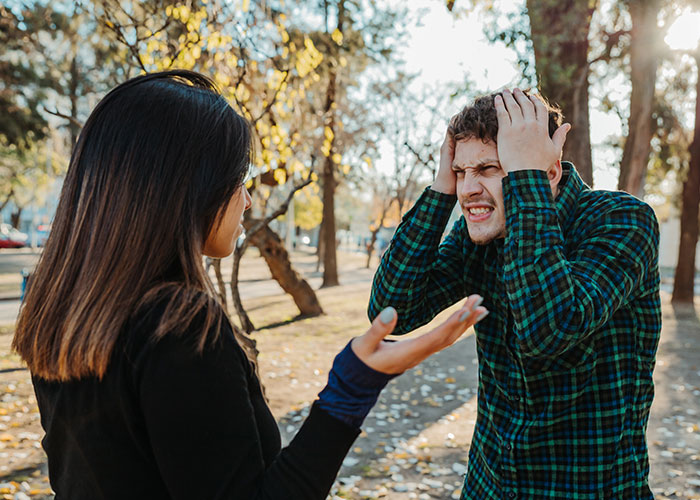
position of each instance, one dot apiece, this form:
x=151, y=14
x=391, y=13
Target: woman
x=142, y=388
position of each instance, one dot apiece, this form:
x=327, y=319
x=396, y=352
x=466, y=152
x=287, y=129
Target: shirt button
x=508, y=447
x=516, y=397
x=511, y=494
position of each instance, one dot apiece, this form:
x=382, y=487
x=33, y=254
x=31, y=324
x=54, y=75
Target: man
x=570, y=276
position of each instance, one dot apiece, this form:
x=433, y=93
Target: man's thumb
x=559, y=137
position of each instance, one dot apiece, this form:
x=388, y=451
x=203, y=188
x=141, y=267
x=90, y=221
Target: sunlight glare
x=684, y=33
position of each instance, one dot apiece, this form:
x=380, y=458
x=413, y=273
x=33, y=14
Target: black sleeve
x=203, y=431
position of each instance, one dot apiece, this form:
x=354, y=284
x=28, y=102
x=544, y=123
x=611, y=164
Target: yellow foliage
x=242, y=93
x=314, y=177
x=328, y=132
x=245, y=6
x=346, y=169
x=337, y=158
x=280, y=176
x=262, y=127
x=343, y=62
x=296, y=166
x=337, y=36
x=308, y=209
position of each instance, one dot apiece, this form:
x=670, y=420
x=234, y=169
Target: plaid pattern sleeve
x=418, y=275
x=557, y=300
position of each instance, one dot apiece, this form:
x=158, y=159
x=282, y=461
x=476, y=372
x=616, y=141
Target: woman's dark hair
x=154, y=167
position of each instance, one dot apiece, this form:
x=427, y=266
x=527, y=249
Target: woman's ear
x=554, y=174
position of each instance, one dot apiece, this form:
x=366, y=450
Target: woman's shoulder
x=175, y=318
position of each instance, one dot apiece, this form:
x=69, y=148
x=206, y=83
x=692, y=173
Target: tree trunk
x=73, y=95
x=330, y=265
x=643, y=64
x=272, y=250
x=370, y=246
x=560, y=40
x=15, y=217
x=319, y=247
x=684, y=280
x=243, y=317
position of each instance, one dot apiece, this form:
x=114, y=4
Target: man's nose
x=470, y=186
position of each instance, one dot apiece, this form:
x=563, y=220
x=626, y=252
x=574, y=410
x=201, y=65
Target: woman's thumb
x=383, y=324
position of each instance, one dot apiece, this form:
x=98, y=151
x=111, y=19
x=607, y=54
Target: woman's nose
x=248, y=199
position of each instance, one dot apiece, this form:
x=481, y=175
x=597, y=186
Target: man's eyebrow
x=485, y=161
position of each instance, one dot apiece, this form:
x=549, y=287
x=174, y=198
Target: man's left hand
x=523, y=133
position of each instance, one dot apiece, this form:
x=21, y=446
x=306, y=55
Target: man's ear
x=554, y=174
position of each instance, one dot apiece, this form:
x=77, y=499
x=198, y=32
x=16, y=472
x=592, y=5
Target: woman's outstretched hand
x=397, y=357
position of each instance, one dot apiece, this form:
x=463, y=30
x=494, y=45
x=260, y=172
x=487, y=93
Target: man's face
x=479, y=191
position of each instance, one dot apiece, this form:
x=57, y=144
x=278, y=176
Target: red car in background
x=12, y=238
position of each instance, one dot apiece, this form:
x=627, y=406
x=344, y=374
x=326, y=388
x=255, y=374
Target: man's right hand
x=446, y=179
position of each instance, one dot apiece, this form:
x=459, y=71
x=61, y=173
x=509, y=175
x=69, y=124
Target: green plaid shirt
x=567, y=353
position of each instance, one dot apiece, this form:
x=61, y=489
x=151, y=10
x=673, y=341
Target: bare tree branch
x=71, y=119
x=280, y=210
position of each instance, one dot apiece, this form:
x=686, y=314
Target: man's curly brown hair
x=479, y=121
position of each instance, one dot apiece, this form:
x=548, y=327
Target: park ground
x=415, y=441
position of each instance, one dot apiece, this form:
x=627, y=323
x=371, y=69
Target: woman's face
x=222, y=237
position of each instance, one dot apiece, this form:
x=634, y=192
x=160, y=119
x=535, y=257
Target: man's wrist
x=520, y=167
x=444, y=187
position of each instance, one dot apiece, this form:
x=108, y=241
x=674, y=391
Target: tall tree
x=23, y=80
x=684, y=280
x=259, y=65
x=559, y=33
x=645, y=41
x=330, y=265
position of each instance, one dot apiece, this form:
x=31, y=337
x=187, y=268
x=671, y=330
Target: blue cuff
x=352, y=389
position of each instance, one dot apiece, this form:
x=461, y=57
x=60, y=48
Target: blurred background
x=349, y=101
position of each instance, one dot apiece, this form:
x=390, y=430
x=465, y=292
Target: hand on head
x=446, y=180
x=523, y=133
x=397, y=357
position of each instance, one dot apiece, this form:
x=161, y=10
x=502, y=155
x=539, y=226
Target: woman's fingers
x=382, y=326
x=396, y=357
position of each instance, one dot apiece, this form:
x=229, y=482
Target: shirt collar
x=570, y=188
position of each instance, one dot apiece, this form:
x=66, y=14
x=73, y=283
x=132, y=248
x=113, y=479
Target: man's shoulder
x=597, y=205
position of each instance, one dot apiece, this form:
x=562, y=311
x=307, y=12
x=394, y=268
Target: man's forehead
x=474, y=152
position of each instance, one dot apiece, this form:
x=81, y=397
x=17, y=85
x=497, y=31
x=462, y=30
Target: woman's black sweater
x=167, y=423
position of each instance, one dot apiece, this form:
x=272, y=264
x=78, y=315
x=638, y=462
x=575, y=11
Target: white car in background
x=12, y=238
